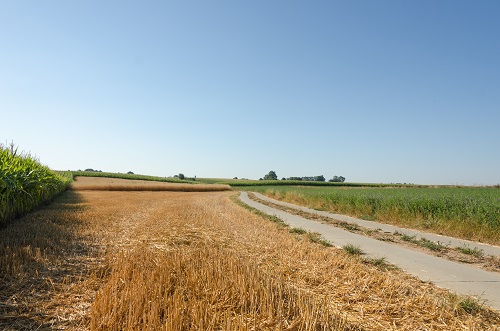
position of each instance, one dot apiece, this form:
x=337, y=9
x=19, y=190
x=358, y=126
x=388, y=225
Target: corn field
x=25, y=183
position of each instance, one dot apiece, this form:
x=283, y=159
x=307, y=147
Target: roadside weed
x=352, y=249
x=297, y=231
x=433, y=246
x=470, y=305
x=406, y=237
x=316, y=237
x=477, y=252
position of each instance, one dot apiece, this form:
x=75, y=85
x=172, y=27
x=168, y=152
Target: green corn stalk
x=24, y=183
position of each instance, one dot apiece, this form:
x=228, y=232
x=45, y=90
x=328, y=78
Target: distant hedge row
x=25, y=183
x=243, y=183
x=127, y=176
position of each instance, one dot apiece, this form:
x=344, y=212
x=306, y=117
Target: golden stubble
x=119, y=184
x=197, y=261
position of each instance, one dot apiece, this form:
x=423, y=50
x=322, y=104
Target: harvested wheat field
x=99, y=260
x=118, y=184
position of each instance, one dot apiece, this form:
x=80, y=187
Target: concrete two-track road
x=459, y=278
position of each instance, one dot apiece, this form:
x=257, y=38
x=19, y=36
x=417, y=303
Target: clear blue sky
x=375, y=91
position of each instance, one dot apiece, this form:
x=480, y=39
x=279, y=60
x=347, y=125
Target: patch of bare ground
x=486, y=262
x=97, y=260
x=118, y=184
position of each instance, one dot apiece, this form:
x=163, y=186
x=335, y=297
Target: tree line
x=272, y=176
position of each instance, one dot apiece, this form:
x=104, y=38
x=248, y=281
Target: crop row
x=127, y=176
x=25, y=183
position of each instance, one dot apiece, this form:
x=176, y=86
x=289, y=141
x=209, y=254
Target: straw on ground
x=196, y=261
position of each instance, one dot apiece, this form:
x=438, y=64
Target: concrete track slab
x=459, y=278
x=453, y=242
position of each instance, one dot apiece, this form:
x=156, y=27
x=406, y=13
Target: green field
x=467, y=212
x=25, y=183
x=126, y=176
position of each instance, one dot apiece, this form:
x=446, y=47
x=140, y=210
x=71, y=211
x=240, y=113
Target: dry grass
x=45, y=259
x=195, y=261
x=118, y=184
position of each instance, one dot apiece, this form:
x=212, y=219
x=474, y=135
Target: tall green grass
x=25, y=183
x=468, y=212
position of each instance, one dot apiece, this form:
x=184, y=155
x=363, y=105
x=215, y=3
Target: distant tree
x=130, y=173
x=283, y=178
x=294, y=178
x=337, y=179
x=235, y=178
x=176, y=176
x=319, y=178
x=271, y=176
x=181, y=176
x=89, y=169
